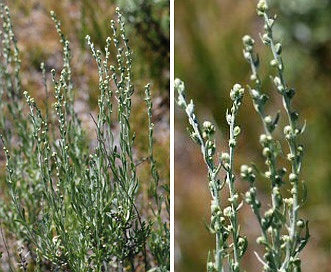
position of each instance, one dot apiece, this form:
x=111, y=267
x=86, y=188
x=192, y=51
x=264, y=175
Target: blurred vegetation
x=208, y=57
x=150, y=23
x=148, y=27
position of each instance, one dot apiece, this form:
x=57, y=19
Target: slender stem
x=232, y=191
x=272, y=165
x=213, y=171
x=219, y=244
x=291, y=141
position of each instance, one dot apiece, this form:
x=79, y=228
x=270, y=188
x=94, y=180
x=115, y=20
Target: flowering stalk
x=283, y=233
x=282, y=244
x=224, y=221
x=239, y=243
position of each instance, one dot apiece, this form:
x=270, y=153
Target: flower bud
x=236, y=131
x=264, y=139
x=211, y=148
x=258, y=203
x=214, y=207
x=195, y=137
x=277, y=81
x=225, y=157
x=248, y=40
x=266, y=152
x=288, y=201
x=300, y=150
x=190, y=109
x=252, y=191
x=268, y=214
x=234, y=198
x=253, y=77
x=248, y=197
x=285, y=238
x=179, y=85
x=262, y=6
x=207, y=124
x=208, y=128
x=278, y=48
x=290, y=156
x=266, y=39
x=274, y=63
x=245, y=169
x=241, y=241
x=260, y=240
x=247, y=55
x=287, y=130
x=300, y=223
x=246, y=173
x=232, y=143
x=211, y=267
x=267, y=174
x=237, y=92
x=293, y=177
x=227, y=211
x=268, y=119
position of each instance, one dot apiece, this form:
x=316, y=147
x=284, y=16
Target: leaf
x=21, y=222
x=303, y=128
x=133, y=138
x=290, y=93
x=275, y=122
x=304, y=194
x=23, y=214
x=240, y=205
x=294, y=116
x=303, y=241
x=278, y=148
x=243, y=247
x=256, y=61
x=166, y=188
x=264, y=98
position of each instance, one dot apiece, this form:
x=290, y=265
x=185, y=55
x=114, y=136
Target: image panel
x=251, y=135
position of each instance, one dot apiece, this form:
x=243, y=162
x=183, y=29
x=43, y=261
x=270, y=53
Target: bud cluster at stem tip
x=262, y=7
x=237, y=92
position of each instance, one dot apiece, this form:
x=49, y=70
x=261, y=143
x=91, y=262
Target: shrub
x=283, y=233
x=75, y=204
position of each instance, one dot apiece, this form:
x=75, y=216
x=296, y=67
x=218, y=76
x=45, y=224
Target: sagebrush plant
x=74, y=204
x=283, y=233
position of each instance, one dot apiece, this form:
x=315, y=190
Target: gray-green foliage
x=74, y=207
x=283, y=233
x=224, y=221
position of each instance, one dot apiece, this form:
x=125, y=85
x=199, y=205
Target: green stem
x=232, y=191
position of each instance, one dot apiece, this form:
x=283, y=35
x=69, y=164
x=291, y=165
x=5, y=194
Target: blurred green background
x=208, y=57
